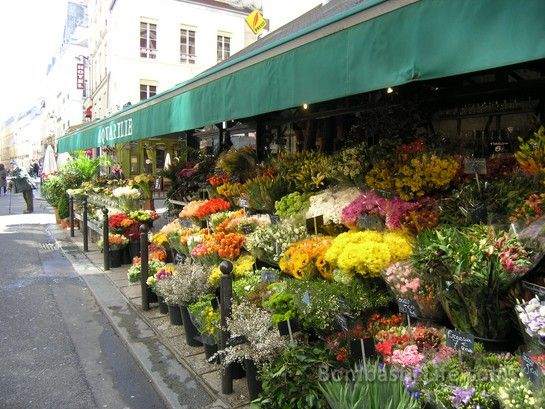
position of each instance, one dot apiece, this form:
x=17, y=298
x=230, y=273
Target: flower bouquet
x=292, y=204
x=119, y=222
x=206, y=319
x=144, y=216
x=128, y=198
x=161, y=274
x=211, y=206
x=186, y=285
x=305, y=258
x=531, y=316
x=115, y=241
x=133, y=274
x=144, y=182
x=368, y=252
x=472, y=270
x=190, y=209
x=329, y=204
x=254, y=324
x=268, y=243
x=405, y=282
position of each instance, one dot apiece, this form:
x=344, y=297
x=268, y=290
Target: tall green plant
x=374, y=387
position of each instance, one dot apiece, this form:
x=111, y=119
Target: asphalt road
x=57, y=349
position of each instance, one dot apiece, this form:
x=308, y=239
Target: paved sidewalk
x=179, y=372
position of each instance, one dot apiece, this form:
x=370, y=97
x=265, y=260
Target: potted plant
x=185, y=286
x=116, y=243
x=206, y=318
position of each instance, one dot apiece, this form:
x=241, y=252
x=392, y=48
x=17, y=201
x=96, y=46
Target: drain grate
x=49, y=246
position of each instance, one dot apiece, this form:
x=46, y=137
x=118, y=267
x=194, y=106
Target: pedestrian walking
x=3, y=179
x=21, y=182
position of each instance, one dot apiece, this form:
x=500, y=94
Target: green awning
x=390, y=45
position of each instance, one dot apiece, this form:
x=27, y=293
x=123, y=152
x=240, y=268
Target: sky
x=31, y=33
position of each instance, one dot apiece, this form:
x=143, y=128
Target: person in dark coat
x=21, y=182
x=3, y=178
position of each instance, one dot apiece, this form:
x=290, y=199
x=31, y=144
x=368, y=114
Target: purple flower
x=461, y=396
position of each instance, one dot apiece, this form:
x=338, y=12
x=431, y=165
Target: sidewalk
x=180, y=373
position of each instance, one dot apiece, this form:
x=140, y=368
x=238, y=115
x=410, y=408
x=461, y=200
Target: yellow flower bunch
x=420, y=176
x=230, y=189
x=243, y=265
x=305, y=258
x=379, y=177
x=160, y=238
x=368, y=252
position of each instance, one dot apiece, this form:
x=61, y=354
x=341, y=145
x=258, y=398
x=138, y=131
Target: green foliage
x=291, y=380
x=264, y=191
x=375, y=387
x=303, y=171
x=239, y=163
x=281, y=305
x=292, y=204
x=70, y=176
x=320, y=302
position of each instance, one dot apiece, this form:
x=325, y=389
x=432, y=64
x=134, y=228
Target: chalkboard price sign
x=268, y=276
x=531, y=369
x=275, y=219
x=233, y=341
x=314, y=224
x=243, y=203
x=461, y=341
x=409, y=307
x=362, y=349
x=288, y=327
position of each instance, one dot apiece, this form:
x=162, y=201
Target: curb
x=166, y=373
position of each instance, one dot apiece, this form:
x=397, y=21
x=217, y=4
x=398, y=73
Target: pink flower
x=408, y=357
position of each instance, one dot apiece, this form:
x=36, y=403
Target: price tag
x=274, y=218
x=180, y=258
x=314, y=224
x=268, y=276
x=243, y=203
x=233, y=341
x=536, y=289
x=361, y=349
x=306, y=298
x=531, y=369
x=461, y=341
x=247, y=229
x=203, y=194
x=409, y=307
x=475, y=165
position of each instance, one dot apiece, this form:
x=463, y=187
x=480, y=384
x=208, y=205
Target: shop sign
x=255, y=21
x=80, y=76
x=116, y=130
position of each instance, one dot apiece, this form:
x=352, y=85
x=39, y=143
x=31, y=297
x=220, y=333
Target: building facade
x=139, y=48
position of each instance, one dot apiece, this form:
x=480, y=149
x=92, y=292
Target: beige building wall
x=117, y=69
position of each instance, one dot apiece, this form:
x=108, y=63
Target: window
x=187, y=46
x=224, y=47
x=147, y=91
x=148, y=40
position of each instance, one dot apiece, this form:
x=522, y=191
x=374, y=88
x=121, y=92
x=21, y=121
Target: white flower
x=126, y=192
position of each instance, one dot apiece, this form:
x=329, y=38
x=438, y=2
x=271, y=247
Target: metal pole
x=85, y=227
x=105, y=240
x=71, y=214
x=226, y=292
x=144, y=265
